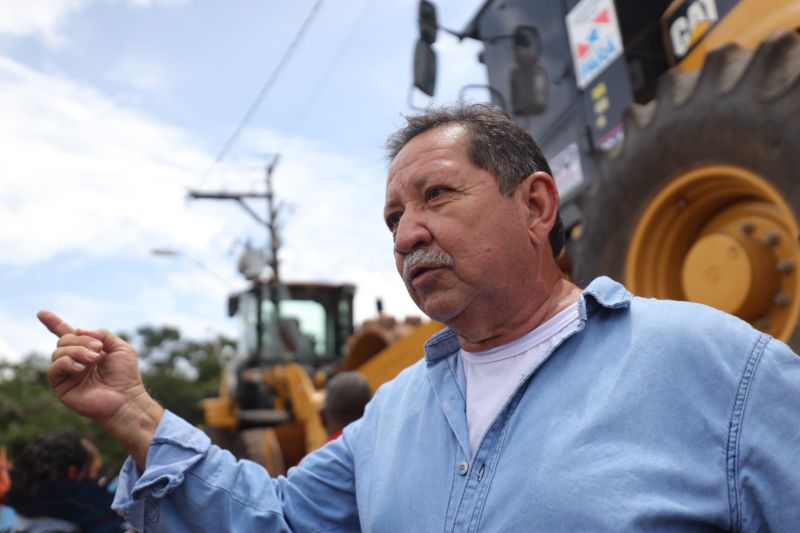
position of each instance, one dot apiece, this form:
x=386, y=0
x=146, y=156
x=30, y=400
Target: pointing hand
x=96, y=374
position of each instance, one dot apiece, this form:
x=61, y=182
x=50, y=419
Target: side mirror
x=427, y=22
x=529, y=82
x=527, y=45
x=424, y=56
x=424, y=67
x=529, y=90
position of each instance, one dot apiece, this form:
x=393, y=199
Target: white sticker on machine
x=567, y=171
x=689, y=23
x=594, y=38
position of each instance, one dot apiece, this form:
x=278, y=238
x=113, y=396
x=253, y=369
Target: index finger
x=54, y=323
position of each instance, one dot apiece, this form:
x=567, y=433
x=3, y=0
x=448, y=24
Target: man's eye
x=434, y=192
x=393, y=220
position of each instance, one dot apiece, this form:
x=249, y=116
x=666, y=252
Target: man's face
x=460, y=245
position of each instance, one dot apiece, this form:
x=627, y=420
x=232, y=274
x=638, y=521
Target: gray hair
x=495, y=143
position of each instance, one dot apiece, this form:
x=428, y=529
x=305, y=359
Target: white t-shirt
x=492, y=376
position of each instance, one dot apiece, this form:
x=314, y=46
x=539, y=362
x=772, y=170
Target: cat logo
x=689, y=24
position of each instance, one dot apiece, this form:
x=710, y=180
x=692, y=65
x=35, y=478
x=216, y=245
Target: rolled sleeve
x=191, y=485
x=177, y=446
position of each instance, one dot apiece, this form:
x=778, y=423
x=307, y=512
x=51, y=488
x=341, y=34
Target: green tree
x=29, y=408
x=178, y=372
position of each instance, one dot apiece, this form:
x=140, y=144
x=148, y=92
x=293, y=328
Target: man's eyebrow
x=417, y=183
x=390, y=206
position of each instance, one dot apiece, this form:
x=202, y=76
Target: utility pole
x=271, y=220
x=271, y=224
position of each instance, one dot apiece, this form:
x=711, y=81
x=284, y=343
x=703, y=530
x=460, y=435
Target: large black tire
x=741, y=109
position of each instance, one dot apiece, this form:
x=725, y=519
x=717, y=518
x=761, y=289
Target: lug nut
x=785, y=266
x=781, y=299
x=771, y=239
x=747, y=228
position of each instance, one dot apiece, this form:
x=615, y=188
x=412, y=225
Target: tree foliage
x=178, y=372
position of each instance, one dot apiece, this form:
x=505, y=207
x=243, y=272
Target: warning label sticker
x=594, y=38
x=567, y=171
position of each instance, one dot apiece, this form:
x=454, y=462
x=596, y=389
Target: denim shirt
x=647, y=415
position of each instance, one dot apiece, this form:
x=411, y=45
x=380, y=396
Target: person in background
x=5, y=480
x=346, y=396
x=54, y=487
x=7, y=514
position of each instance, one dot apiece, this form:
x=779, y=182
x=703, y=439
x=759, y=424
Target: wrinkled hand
x=94, y=373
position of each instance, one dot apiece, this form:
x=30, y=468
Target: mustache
x=427, y=258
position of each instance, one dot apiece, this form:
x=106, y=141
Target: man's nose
x=412, y=232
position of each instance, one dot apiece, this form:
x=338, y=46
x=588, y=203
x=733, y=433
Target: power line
x=267, y=86
x=331, y=65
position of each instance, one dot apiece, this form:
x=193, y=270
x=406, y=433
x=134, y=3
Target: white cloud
x=151, y=3
x=81, y=173
x=22, y=335
x=187, y=298
x=37, y=17
x=142, y=75
x=87, y=181
x=6, y=352
x=46, y=18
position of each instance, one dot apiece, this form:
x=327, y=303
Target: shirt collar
x=602, y=292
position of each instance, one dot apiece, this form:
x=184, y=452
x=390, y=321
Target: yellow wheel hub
x=722, y=236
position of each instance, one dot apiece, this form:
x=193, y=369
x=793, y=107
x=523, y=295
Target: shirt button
x=462, y=468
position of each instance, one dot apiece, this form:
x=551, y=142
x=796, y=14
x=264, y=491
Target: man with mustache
x=540, y=407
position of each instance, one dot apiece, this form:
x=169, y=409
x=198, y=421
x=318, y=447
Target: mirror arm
x=410, y=100
x=459, y=35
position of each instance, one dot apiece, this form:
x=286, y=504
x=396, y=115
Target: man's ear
x=541, y=197
x=72, y=472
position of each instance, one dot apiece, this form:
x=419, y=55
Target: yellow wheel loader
x=293, y=336
x=672, y=131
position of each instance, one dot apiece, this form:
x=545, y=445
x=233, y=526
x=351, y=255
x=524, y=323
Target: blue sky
x=113, y=109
